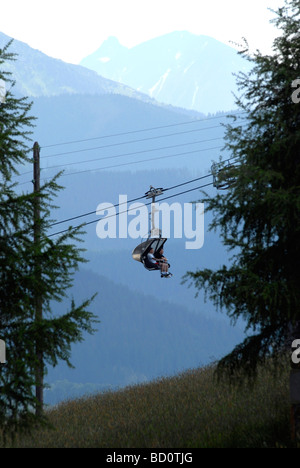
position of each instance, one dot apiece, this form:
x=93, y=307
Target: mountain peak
x=178, y=68
x=37, y=74
x=109, y=49
x=112, y=40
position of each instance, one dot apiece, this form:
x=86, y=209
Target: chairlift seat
x=141, y=251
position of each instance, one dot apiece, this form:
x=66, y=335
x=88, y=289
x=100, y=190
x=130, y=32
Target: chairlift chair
x=141, y=251
x=154, y=241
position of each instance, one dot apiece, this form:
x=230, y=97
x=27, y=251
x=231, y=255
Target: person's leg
x=166, y=269
x=162, y=269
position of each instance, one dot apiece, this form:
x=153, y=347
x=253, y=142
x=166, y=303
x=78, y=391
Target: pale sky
x=72, y=29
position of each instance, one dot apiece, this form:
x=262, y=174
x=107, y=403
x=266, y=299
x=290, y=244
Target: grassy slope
x=185, y=411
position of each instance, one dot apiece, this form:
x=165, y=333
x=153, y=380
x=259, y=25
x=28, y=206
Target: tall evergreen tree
x=258, y=216
x=34, y=269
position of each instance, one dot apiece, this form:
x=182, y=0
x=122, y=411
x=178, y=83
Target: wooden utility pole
x=39, y=389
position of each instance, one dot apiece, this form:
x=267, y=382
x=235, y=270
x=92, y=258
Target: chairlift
x=154, y=241
x=141, y=251
x=222, y=175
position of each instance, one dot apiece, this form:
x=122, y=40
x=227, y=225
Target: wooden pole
x=39, y=389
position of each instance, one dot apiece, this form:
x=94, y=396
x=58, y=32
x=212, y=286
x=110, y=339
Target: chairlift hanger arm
x=154, y=192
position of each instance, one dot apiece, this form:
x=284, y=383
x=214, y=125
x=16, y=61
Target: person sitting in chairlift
x=160, y=255
x=160, y=263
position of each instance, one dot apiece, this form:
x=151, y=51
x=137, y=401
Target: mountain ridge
x=36, y=74
x=179, y=68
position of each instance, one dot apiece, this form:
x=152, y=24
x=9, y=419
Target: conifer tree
x=258, y=216
x=32, y=268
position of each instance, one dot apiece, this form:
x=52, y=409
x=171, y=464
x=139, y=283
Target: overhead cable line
x=93, y=212
x=131, y=163
x=143, y=130
x=124, y=133
x=126, y=154
x=141, y=161
x=131, y=141
x=129, y=201
x=127, y=211
x=138, y=198
x=124, y=143
x=133, y=153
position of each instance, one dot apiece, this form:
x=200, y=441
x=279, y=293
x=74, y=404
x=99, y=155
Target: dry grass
x=186, y=411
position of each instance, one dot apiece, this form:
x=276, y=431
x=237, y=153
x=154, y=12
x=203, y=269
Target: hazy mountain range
x=179, y=68
x=37, y=74
x=85, y=125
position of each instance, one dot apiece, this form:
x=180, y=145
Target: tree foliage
x=258, y=217
x=30, y=268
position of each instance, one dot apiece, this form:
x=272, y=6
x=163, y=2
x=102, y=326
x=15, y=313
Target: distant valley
x=140, y=338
